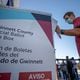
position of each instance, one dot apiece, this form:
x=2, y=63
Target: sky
x=65, y=46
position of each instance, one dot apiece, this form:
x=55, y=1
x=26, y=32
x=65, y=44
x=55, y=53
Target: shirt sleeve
x=76, y=22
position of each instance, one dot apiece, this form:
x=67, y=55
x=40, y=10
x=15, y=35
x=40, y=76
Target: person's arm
x=71, y=32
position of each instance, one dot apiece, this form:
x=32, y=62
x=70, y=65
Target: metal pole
x=16, y=3
x=1, y=2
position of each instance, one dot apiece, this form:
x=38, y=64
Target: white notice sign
x=26, y=45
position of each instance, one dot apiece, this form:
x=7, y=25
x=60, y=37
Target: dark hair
x=72, y=58
x=69, y=14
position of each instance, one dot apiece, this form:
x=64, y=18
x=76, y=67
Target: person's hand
x=58, y=31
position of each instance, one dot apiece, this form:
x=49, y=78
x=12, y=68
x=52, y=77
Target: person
x=59, y=69
x=69, y=68
x=75, y=73
x=64, y=70
x=70, y=18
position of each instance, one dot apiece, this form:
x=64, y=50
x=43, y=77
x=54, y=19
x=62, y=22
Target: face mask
x=69, y=21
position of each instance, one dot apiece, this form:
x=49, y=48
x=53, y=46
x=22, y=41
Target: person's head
x=72, y=58
x=69, y=17
x=67, y=57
